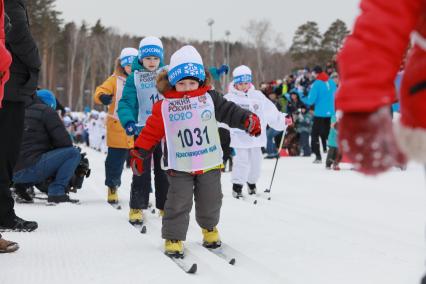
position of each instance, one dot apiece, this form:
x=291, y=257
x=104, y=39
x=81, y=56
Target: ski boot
x=174, y=248
x=211, y=238
x=135, y=217
x=251, y=188
x=237, y=191
x=112, y=195
x=161, y=213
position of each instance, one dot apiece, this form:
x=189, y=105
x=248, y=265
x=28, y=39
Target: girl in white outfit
x=248, y=158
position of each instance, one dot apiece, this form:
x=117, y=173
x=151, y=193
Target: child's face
x=128, y=69
x=151, y=63
x=187, y=85
x=243, y=87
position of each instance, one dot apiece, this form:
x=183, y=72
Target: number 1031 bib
x=193, y=142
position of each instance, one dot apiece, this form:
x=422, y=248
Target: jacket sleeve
x=274, y=117
x=312, y=95
x=107, y=88
x=371, y=56
x=59, y=136
x=128, y=105
x=153, y=131
x=228, y=112
x=19, y=40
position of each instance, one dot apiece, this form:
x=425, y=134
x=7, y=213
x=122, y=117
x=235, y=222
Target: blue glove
x=105, y=99
x=223, y=69
x=130, y=128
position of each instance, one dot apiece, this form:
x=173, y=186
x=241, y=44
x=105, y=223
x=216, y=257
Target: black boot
x=61, y=199
x=251, y=188
x=237, y=190
x=19, y=225
x=22, y=195
x=423, y=280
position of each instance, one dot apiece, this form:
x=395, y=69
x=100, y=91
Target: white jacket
x=258, y=103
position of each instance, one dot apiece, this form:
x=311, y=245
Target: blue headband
x=186, y=70
x=128, y=60
x=245, y=78
x=151, y=50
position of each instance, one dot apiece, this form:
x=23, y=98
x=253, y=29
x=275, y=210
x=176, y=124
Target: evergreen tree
x=306, y=43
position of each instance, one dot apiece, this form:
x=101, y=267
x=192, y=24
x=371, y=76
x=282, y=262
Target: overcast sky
x=188, y=18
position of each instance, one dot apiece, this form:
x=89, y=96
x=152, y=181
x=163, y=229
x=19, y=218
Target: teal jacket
x=332, y=136
x=128, y=106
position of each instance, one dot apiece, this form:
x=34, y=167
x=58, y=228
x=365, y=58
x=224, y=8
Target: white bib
x=192, y=135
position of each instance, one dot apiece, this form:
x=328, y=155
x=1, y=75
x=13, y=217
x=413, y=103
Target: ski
x=116, y=206
x=187, y=266
x=220, y=252
x=140, y=227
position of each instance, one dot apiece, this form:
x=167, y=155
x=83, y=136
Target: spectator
x=46, y=149
x=294, y=102
x=333, y=156
x=321, y=96
x=21, y=86
x=304, y=120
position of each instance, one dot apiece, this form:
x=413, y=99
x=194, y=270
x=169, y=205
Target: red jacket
x=372, y=55
x=5, y=58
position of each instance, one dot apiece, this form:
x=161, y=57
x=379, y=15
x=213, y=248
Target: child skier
x=187, y=118
x=248, y=153
x=333, y=155
x=135, y=106
x=109, y=94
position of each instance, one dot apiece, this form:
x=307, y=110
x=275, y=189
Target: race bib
x=192, y=136
x=147, y=94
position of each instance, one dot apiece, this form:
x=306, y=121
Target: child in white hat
x=135, y=106
x=187, y=119
x=248, y=154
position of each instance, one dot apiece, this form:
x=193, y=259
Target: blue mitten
x=130, y=128
x=105, y=99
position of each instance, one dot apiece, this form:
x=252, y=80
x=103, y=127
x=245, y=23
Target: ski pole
x=268, y=190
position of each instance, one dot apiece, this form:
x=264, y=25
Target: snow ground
x=320, y=227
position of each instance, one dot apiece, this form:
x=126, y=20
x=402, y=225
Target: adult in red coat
x=369, y=62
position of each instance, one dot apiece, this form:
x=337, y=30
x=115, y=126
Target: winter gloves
x=367, y=139
x=252, y=125
x=105, y=99
x=131, y=128
x=137, y=157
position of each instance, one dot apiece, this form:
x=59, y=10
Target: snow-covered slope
x=320, y=227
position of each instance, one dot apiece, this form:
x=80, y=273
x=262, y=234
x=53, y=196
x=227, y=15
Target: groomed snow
x=320, y=227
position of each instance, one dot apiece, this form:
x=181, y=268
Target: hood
x=323, y=77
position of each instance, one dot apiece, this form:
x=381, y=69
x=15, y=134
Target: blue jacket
x=332, y=136
x=128, y=106
x=321, y=96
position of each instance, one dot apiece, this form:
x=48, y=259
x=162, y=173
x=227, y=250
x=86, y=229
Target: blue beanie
x=47, y=97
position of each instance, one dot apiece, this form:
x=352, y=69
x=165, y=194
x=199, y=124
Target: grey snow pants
x=206, y=191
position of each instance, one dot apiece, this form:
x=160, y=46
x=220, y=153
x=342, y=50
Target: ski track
x=320, y=227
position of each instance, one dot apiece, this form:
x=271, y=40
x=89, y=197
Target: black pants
x=141, y=185
x=333, y=157
x=320, y=129
x=225, y=141
x=11, y=128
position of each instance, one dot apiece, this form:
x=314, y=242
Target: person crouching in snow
x=109, y=94
x=187, y=118
x=248, y=152
x=135, y=106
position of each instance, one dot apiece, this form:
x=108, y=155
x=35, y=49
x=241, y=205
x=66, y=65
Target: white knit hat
x=151, y=46
x=184, y=63
x=242, y=74
x=127, y=56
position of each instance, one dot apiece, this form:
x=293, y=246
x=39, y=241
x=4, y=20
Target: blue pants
x=304, y=143
x=114, y=166
x=59, y=163
x=271, y=148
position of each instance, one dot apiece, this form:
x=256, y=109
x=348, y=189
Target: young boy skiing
x=248, y=153
x=135, y=106
x=187, y=119
x=109, y=94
